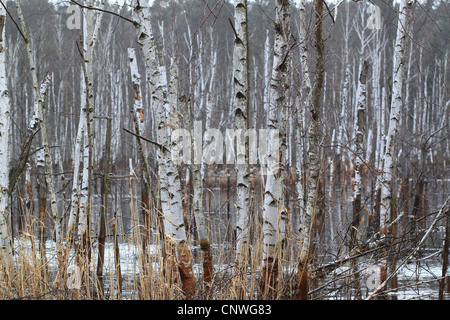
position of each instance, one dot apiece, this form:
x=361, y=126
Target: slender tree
x=5, y=121
x=310, y=214
x=241, y=118
x=387, y=204
x=139, y=124
x=170, y=186
x=91, y=26
x=275, y=213
x=304, y=102
x=360, y=127
x=39, y=94
x=399, y=68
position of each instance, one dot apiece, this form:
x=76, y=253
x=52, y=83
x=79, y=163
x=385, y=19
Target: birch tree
x=241, y=118
x=39, y=95
x=389, y=166
x=194, y=171
x=139, y=122
x=399, y=69
x=305, y=93
x=91, y=26
x=170, y=186
x=360, y=128
x=274, y=213
x=74, y=198
x=310, y=214
x=266, y=95
x=5, y=121
x=346, y=29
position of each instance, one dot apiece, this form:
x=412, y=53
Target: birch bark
x=388, y=227
x=170, y=186
x=241, y=101
x=139, y=122
x=91, y=26
x=241, y=119
x=313, y=158
x=360, y=128
x=266, y=96
x=39, y=103
x=275, y=213
x=195, y=169
x=305, y=93
x=399, y=69
x=5, y=122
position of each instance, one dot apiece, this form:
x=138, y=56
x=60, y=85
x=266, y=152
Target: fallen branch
x=425, y=236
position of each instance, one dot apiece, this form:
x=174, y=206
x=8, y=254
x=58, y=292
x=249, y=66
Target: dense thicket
x=201, y=35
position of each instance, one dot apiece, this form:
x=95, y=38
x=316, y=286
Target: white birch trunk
x=91, y=26
x=266, y=97
x=5, y=122
x=399, y=66
x=344, y=95
x=39, y=96
x=305, y=93
x=170, y=185
x=210, y=101
x=83, y=199
x=241, y=104
x=138, y=114
x=74, y=200
x=308, y=229
x=274, y=213
x=360, y=134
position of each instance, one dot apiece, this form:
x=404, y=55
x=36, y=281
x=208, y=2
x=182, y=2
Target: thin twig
x=106, y=11
x=145, y=139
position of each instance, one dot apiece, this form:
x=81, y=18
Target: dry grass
x=144, y=275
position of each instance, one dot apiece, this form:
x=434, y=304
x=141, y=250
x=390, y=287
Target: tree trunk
x=445, y=278
x=104, y=210
x=91, y=26
x=241, y=118
x=307, y=229
x=119, y=279
x=274, y=214
x=170, y=186
x=74, y=202
x=39, y=118
x=360, y=128
x=138, y=118
x=389, y=167
x=304, y=102
x=5, y=121
x=194, y=171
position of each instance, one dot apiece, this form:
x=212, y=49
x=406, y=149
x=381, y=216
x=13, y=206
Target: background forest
x=196, y=42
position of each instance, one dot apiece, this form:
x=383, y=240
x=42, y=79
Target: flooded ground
x=417, y=280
